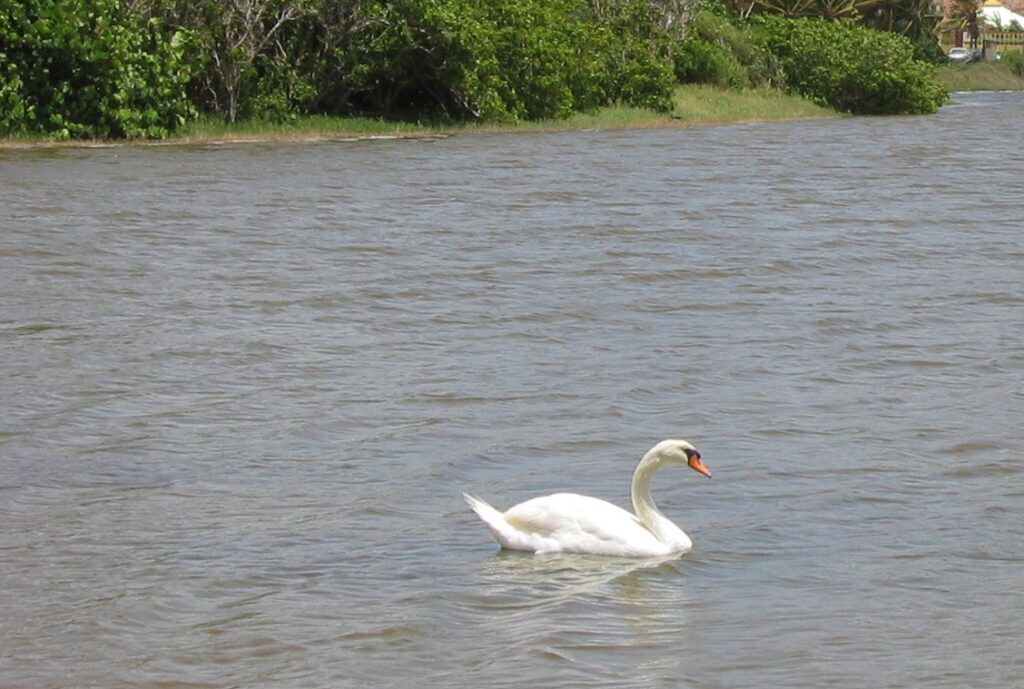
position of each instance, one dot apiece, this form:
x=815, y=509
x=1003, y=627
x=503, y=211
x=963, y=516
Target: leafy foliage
x=505, y=59
x=722, y=51
x=240, y=55
x=78, y=68
x=453, y=59
x=447, y=59
x=916, y=19
x=1014, y=61
x=138, y=68
x=635, y=49
x=852, y=68
x=703, y=62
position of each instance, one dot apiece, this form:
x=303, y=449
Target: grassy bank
x=979, y=76
x=698, y=104
x=693, y=105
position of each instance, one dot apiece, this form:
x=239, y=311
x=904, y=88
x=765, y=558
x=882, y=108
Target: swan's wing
x=566, y=522
x=554, y=513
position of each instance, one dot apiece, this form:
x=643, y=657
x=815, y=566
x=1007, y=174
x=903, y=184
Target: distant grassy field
x=979, y=76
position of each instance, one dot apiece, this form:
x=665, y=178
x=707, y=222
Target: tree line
x=141, y=68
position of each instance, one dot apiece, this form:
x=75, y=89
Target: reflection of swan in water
x=570, y=523
x=519, y=581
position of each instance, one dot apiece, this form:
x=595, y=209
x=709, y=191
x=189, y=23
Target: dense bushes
x=504, y=60
x=112, y=68
x=89, y=68
x=501, y=60
x=835, y=53
x=636, y=52
x=839, y=64
x=1014, y=60
x=723, y=51
x=81, y=68
x=852, y=68
x=918, y=20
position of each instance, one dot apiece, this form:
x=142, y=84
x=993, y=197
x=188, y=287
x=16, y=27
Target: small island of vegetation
x=153, y=69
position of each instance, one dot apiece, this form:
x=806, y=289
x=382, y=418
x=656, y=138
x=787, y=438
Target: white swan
x=570, y=523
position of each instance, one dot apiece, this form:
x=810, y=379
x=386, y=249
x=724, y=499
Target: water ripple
x=244, y=386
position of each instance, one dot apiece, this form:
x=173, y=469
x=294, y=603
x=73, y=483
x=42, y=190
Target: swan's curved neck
x=643, y=504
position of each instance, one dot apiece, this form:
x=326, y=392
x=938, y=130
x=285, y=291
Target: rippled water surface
x=244, y=386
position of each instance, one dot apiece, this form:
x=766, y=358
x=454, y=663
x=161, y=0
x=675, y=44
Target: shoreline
x=695, y=106
x=312, y=136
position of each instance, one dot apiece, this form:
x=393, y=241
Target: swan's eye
x=691, y=454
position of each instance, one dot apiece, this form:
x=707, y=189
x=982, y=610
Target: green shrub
x=716, y=25
x=1014, y=61
x=89, y=68
x=699, y=62
x=439, y=58
x=109, y=68
x=277, y=91
x=927, y=49
x=634, y=53
x=505, y=59
x=852, y=68
x=722, y=50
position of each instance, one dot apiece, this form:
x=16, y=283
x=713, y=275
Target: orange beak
x=698, y=466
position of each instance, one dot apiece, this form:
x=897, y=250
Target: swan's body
x=570, y=523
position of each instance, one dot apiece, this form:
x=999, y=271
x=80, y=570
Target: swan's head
x=681, y=452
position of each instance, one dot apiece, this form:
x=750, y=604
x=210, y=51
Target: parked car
x=960, y=55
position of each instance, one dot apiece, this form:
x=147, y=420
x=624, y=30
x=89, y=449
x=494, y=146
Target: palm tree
x=837, y=9
x=787, y=8
x=916, y=19
x=963, y=15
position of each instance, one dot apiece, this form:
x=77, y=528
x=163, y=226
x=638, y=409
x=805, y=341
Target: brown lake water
x=242, y=388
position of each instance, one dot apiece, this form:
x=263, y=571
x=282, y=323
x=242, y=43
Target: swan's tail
x=483, y=510
x=494, y=519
